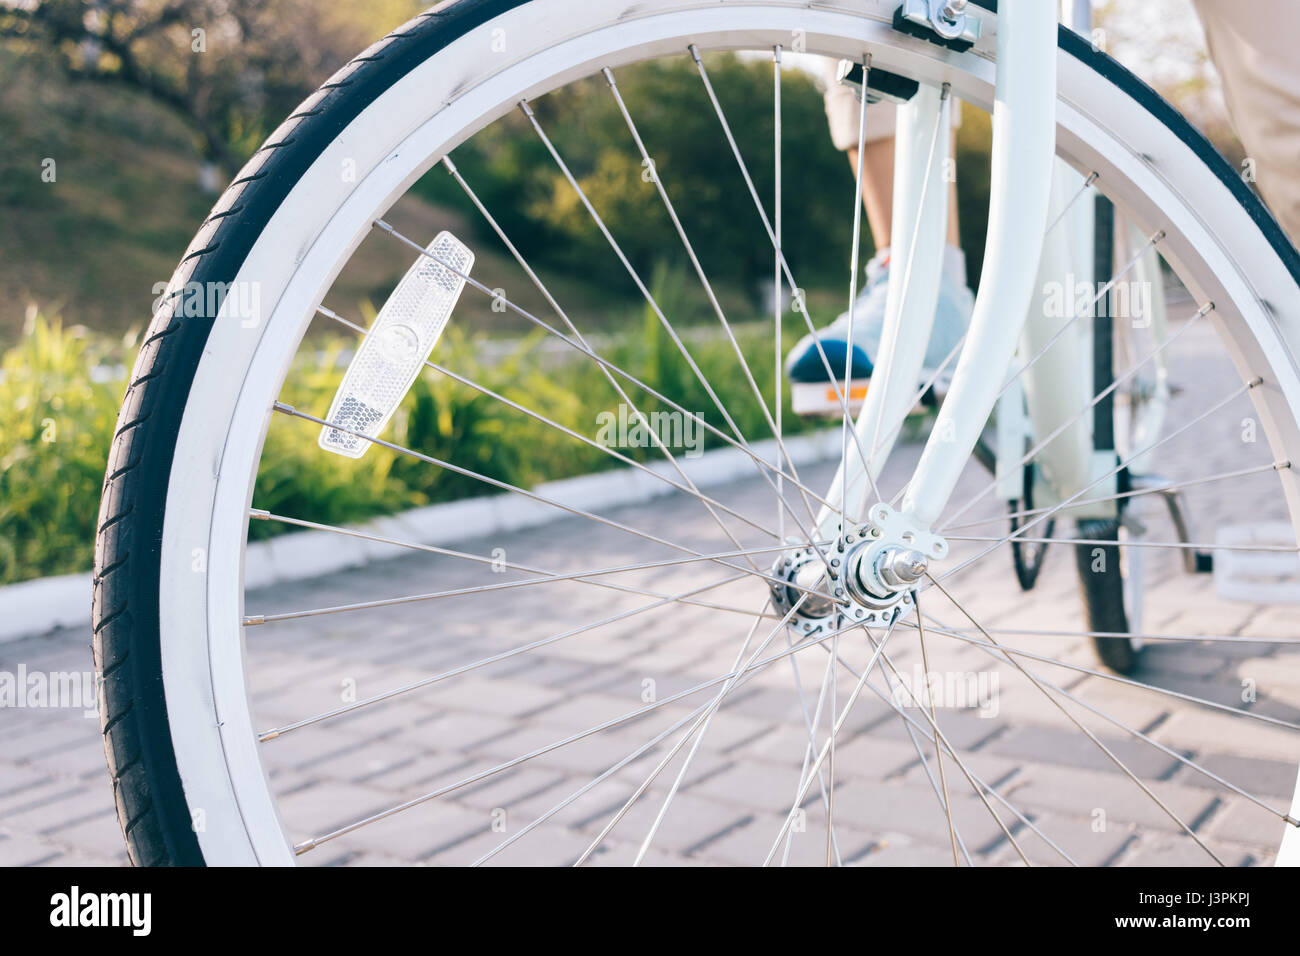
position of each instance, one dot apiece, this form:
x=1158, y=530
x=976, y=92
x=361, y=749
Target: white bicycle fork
x=1024, y=132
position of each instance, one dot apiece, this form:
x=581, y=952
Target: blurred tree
x=1163, y=43
x=509, y=167
x=232, y=68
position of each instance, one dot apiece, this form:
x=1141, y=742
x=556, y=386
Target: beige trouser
x=1253, y=46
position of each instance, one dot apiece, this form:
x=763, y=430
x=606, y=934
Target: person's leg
x=878, y=191
x=843, y=113
x=1252, y=44
x=877, y=187
x=804, y=364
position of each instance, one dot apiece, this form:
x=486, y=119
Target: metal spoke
x=1040, y=445
x=810, y=723
x=1056, y=337
x=314, y=842
x=483, y=662
x=506, y=486
x=1001, y=652
x=835, y=729
x=259, y=619
x=1143, y=636
x=713, y=706
x=830, y=762
x=696, y=733
x=938, y=758
x=583, y=349
x=1137, y=543
x=259, y=514
x=703, y=723
x=846, y=423
x=742, y=445
x=564, y=317
x=940, y=794
x=689, y=489
x=1079, y=194
x=657, y=180
x=689, y=735
x=952, y=354
x=778, y=376
x=1080, y=313
x=593, y=783
x=1037, y=682
x=937, y=737
x=800, y=307
x=584, y=577
x=1020, y=532
x=1002, y=516
x=649, y=298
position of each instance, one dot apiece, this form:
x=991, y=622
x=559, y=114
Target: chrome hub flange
x=886, y=563
x=803, y=574
x=867, y=574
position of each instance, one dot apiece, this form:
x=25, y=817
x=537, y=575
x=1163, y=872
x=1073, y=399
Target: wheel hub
x=865, y=575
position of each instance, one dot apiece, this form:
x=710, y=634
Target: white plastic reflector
x=397, y=346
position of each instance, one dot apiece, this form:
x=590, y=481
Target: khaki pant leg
x=1252, y=44
x=843, y=110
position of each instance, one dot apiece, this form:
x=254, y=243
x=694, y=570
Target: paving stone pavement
x=1057, y=794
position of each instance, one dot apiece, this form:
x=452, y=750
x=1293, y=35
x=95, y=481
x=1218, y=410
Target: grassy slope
x=118, y=216
x=91, y=245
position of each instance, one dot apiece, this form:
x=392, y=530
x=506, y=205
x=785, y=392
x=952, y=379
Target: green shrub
x=56, y=423
x=61, y=387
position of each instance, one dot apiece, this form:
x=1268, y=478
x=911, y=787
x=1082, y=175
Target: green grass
x=56, y=423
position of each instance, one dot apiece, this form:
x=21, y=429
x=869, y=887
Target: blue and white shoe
x=811, y=390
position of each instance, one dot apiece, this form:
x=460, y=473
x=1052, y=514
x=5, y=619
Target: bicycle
x=187, y=755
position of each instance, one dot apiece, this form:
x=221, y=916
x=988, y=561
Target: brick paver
x=55, y=805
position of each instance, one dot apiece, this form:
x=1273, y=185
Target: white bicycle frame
x=1023, y=161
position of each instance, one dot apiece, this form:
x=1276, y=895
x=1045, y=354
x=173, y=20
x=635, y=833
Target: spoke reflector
x=397, y=346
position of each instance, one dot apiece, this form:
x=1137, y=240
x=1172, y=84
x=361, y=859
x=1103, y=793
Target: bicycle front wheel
x=649, y=678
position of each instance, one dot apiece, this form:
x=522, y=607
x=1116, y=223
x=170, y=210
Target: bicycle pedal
x=1256, y=577
x=396, y=347
x=822, y=399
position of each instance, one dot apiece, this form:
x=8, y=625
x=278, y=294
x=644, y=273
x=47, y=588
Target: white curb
x=34, y=607
x=37, y=607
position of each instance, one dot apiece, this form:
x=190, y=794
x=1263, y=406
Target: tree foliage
x=232, y=68
x=509, y=166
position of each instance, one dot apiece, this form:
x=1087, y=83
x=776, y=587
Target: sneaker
x=812, y=392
